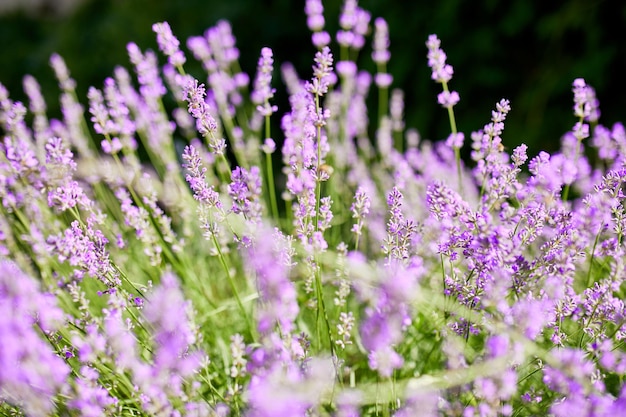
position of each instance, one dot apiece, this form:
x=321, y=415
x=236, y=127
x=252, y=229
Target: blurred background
x=528, y=51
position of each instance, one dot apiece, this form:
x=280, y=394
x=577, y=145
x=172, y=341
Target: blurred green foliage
x=528, y=51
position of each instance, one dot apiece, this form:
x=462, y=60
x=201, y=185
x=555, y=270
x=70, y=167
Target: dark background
x=528, y=51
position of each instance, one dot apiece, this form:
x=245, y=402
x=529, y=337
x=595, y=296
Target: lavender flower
x=380, y=53
x=354, y=22
x=60, y=162
x=315, y=21
x=322, y=71
x=199, y=109
x=85, y=248
x=174, y=358
x=289, y=392
x=448, y=99
x=100, y=116
x=168, y=44
x=360, y=209
x=396, y=109
x=387, y=313
x=399, y=231
x=586, y=106
x=441, y=72
x=31, y=374
x=139, y=219
x=147, y=72
x=263, y=90
x=197, y=178
x=271, y=265
x=91, y=398
x=245, y=190
x=168, y=312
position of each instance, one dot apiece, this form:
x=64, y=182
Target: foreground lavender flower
x=271, y=264
x=31, y=374
x=174, y=358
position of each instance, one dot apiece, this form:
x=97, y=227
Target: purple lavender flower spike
x=245, y=190
x=90, y=398
x=207, y=126
x=168, y=44
x=271, y=264
x=441, y=72
x=197, y=178
x=586, y=105
x=315, y=21
x=263, y=90
x=380, y=53
x=175, y=358
x=31, y=374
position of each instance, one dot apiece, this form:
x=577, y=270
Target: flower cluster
x=154, y=262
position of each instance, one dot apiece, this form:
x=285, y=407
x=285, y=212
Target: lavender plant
x=152, y=263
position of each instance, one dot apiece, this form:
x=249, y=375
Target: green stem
x=233, y=287
x=457, y=151
x=567, y=186
x=321, y=307
x=270, y=174
x=591, y=257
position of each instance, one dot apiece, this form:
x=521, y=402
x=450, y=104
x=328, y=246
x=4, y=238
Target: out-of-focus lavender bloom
x=315, y=17
x=119, y=112
x=387, y=292
x=269, y=146
x=100, y=115
x=315, y=21
x=263, y=90
x=174, y=357
x=147, y=72
x=455, y=140
x=354, y=22
x=380, y=53
x=168, y=44
x=68, y=195
x=139, y=219
x=586, y=105
x=441, y=72
x=271, y=264
x=59, y=161
x=91, y=399
x=37, y=105
x=448, y=99
x=62, y=73
x=223, y=44
x=420, y=402
x=197, y=178
x=396, y=109
x=31, y=374
x=289, y=392
x=383, y=80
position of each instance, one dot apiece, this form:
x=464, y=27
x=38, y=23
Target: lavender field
x=178, y=245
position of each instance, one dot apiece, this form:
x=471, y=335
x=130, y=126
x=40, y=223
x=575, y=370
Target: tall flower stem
x=453, y=129
x=270, y=174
